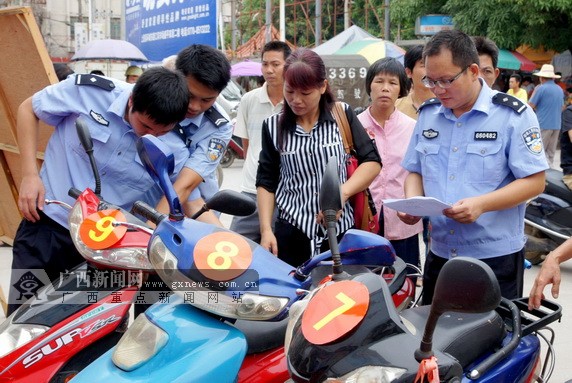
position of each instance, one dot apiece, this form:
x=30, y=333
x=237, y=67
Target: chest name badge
x=532, y=140
x=98, y=118
x=430, y=134
x=486, y=136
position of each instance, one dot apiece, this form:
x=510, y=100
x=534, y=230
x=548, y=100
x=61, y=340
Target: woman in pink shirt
x=385, y=82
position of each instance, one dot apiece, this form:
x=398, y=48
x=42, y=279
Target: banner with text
x=161, y=28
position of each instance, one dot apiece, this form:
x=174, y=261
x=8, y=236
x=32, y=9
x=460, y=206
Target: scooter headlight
x=210, y=295
x=132, y=258
x=142, y=341
x=14, y=335
x=367, y=374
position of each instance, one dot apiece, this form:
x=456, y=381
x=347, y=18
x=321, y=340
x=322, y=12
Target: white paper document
x=418, y=206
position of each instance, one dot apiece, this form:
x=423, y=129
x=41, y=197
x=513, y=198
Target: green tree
x=510, y=23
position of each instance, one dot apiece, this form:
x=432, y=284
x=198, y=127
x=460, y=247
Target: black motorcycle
x=548, y=218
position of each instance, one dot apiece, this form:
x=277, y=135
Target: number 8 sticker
x=334, y=311
x=222, y=256
x=97, y=230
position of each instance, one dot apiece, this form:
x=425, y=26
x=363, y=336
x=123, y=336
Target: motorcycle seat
x=556, y=187
x=262, y=336
x=463, y=336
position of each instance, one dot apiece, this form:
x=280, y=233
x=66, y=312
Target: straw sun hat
x=547, y=71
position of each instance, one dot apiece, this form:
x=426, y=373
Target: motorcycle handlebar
x=147, y=212
x=74, y=193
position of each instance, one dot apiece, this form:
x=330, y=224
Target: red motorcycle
x=233, y=150
x=71, y=322
x=77, y=318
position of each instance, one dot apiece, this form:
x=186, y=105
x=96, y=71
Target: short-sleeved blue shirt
x=123, y=177
x=481, y=151
x=209, y=134
x=548, y=100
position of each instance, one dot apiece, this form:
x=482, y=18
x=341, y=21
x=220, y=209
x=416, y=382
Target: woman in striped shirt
x=296, y=145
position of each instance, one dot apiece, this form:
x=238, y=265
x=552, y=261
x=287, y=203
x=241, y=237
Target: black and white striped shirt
x=293, y=169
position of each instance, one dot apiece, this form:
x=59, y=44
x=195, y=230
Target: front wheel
x=227, y=158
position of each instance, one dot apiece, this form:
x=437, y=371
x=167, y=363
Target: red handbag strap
x=341, y=118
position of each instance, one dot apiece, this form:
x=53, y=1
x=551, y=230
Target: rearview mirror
x=159, y=162
x=232, y=202
x=330, y=190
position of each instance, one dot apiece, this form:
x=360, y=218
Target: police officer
x=117, y=114
x=480, y=151
x=205, y=130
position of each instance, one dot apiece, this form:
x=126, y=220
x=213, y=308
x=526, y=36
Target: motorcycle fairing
x=200, y=348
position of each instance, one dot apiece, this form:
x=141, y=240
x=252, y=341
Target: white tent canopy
x=353, y=33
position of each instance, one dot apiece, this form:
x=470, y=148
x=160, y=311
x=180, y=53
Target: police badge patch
x=216, y=149
x=98, y=118
x=532, y=140
x=430, y=134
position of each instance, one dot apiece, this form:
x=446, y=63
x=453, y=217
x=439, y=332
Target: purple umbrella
x=109, y=50
x=246, y=68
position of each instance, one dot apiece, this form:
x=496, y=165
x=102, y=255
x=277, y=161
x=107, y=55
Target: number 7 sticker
x=334, y=311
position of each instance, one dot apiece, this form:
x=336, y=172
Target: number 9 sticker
x=334, y=311
x=97, y=230
x=222, y=256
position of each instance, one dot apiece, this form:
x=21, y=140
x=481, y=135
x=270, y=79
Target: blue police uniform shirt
x=477, y=153
x=207, y=141
x=123, y=177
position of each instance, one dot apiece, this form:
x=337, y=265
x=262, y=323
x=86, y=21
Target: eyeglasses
x=444, y=84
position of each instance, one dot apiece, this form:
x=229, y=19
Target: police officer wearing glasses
x=480, y=151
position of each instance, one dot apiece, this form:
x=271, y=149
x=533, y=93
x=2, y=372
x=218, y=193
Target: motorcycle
x=233, y=150
x=69, y=323
x=481, y=338
x=548, y=217
x=231, y=298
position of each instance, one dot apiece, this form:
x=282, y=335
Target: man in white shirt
x=255, y=106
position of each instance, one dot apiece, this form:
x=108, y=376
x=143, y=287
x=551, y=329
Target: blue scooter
x=222, y=283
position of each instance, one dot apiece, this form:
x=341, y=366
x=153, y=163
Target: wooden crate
x=25, y=68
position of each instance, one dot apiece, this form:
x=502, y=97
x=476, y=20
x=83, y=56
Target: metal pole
x=318, y=22
x=268, y=34
x=89, y=20
x=233, y=26
x=346, y=14
x=220, y=26
x=282, y=20
x=386, y=33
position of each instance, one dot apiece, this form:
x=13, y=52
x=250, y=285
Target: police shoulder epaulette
x=431, y=101
x=94, y=80
x=215, y=117
x=512, y=102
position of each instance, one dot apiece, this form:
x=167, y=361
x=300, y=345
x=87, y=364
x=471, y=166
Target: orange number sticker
x=334, y=311
x=222, y=256
x=97, y=230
